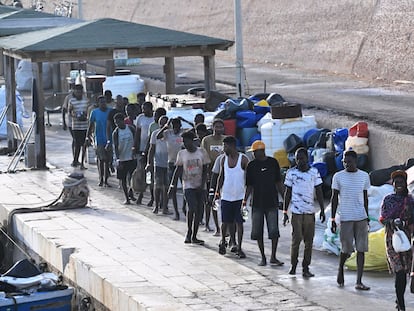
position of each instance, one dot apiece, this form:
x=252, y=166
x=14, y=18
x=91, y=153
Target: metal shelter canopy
x=100, y=39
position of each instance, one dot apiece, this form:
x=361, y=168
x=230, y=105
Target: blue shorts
x=231, y=211
x=272, y=221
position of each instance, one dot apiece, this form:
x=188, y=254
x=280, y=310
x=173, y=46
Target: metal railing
x=64, y=8
x=24, y=140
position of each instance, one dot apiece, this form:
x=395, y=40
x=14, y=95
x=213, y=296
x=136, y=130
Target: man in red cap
x=263, y=180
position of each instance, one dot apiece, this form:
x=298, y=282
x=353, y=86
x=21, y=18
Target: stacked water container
x=275, y=131
x=339, y=137
x=246, y=120
x=358, y=141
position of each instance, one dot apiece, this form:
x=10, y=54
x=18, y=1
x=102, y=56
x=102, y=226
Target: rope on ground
x=75, y=194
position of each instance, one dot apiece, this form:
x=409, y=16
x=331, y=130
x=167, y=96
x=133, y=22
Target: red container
x=359, y=129
x=230, y=127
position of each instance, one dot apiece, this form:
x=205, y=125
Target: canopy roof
x=99, y=38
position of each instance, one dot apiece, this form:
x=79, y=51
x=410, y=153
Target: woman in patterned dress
x=397, y=210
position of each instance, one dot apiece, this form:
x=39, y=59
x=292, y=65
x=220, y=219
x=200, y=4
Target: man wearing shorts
x=78, y=109
x=351, y=187
x=263, y=180
x=192, y=164
x=158, y=163
x=123, y=139
x=97, y=124
x=213, y=144
x=231, y=184
x=158, y=113
x=142, y=123
x=171, y=133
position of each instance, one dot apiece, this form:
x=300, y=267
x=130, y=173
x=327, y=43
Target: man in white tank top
x=231, y=183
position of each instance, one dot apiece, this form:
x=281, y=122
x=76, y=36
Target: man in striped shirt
x=78, y=109
x=351, y=187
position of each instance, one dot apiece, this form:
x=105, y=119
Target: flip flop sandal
x=362, y=287
x=241, y=254
x=234, y=249
x=277, y=262
x=222, y=249
x=340, y=279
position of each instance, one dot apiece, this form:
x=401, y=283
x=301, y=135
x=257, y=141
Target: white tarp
x=185, y=113
x=19, y=111
x=126, y=86
x=24, y=76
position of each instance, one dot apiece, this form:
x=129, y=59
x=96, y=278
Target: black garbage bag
x=23, y=269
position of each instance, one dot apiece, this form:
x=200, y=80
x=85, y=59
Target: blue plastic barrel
x=339, y=137
x=321, y=167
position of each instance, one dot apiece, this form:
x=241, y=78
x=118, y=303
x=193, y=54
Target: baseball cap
x=257, y=145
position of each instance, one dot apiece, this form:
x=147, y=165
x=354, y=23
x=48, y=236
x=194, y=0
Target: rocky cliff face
x=370, y=38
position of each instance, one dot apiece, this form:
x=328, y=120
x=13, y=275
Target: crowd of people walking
x=217, y=179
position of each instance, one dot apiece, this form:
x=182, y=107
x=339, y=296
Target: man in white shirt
x=192, y=165
x=158, y=163
x=142, y=123
x=172, y=136
x=123, y=139
x=301, y=181
x=351, y=187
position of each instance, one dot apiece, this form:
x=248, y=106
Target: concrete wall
x=371, y=38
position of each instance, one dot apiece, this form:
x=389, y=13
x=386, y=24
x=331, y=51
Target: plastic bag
x=138, y=178
x=246, y=119
x=400, y=241
x=339, y=137
x=375, y=258
x=233, y=105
